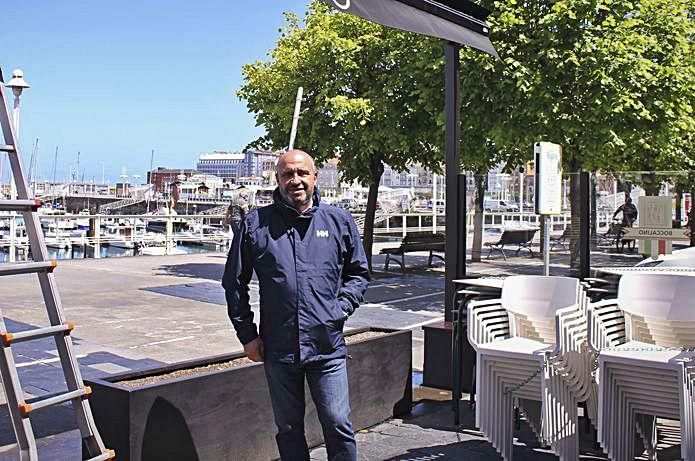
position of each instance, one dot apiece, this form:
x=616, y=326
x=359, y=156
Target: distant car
x=679, y=258
x=499, y=206
x=441, y=206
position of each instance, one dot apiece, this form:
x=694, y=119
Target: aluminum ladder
x=60, y=329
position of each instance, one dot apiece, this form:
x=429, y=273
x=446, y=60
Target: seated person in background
x=629, y=211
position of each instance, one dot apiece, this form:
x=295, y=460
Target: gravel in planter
x=223, y=365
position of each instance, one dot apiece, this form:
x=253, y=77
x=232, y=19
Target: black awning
x=458, y=21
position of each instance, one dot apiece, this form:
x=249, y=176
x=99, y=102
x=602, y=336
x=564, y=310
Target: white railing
x=62, y=235
x=215, y=237
x=420, y=222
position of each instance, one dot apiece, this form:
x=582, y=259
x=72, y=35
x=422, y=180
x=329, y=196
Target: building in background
x=201, y=187
x=233, y=166
x=162, y=177
x=328, y=180
x=226, y=165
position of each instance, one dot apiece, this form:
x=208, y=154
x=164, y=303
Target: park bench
x=420, y=241
x=522, y=238
x=560, y=241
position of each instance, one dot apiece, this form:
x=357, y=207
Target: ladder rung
x=26, y=408
x=27, y=268
x=20, y=205
x=6, y=148
x=9, y=338
x=107, y=455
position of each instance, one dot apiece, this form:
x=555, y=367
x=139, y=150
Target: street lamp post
x=124, y=185
x=18, y=84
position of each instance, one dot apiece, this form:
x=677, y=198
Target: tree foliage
x=364, y=97
x=609, y=80
x=612, y=81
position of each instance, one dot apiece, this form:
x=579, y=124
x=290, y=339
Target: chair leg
x=471, y=396
x=517, y=419
x=386, y=264
x=403, y=262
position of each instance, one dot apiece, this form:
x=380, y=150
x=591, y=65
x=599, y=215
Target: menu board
x=548, y=158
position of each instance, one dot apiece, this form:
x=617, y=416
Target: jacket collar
x=290, y=212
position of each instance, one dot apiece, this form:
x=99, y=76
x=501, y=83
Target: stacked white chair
x=532, y=352
x=652, y=373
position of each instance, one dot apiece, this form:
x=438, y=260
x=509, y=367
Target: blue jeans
x=328, y=384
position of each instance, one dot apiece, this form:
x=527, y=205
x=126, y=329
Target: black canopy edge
x=461, y=12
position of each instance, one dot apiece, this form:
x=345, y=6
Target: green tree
x=364, y=99
x=609, y=80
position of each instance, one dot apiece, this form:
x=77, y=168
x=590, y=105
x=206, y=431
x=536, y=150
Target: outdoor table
x=466, y=290
x=655, y=270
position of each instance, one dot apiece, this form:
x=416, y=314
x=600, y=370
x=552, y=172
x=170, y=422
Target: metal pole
x=295, y=118
x=13, y=186
x=521, y=197
x=546, y=244
x=169, y=237
x=584, y=225
x=434, y=203
x=452, y=136
x=461, y=232
x=97, y=235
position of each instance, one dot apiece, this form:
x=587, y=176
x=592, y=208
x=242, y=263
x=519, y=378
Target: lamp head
x=17, y=83
x=18, y=80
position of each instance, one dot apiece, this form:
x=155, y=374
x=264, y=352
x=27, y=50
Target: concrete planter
x=226, y=414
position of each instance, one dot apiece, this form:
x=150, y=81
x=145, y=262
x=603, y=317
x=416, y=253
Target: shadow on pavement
x=195, y=270
x=436, y=417
x=41, y=375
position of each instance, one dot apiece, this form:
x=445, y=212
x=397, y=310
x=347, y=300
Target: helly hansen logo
x=343, y=6
x=322, y=233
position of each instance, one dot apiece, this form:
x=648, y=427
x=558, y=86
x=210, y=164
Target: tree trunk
x=594, y=199
x=480, y=186
x=651, y=184
x=575, y=216
x=376, y=168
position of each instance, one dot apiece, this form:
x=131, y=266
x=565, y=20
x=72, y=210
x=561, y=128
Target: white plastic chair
x=538, y=359
x=650, y=373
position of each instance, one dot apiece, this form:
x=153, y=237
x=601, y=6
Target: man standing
x=312, y=274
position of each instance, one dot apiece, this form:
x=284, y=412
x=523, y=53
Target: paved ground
x=134, y=313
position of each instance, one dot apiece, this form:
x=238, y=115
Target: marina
x=525, y=209
x=76, y=236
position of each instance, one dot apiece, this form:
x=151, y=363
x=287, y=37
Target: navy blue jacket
x=312, y=274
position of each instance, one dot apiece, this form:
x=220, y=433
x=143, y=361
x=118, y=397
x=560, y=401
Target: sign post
x=548, y=166
x=655, y=233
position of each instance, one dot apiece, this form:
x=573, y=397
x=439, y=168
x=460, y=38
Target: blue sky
x=116, y=79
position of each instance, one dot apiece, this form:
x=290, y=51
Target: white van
x=499, y=206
